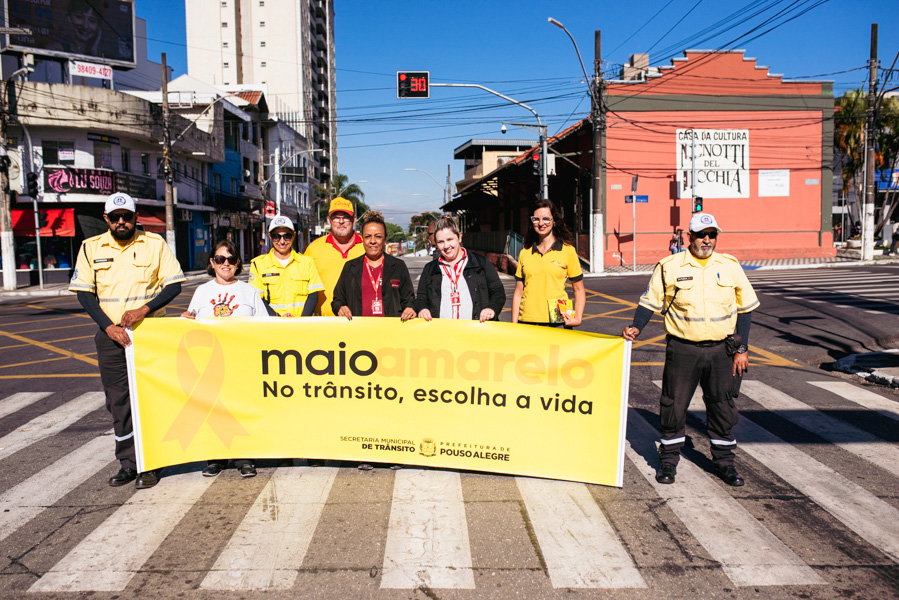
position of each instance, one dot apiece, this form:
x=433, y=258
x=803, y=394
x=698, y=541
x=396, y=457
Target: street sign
x=640, y=199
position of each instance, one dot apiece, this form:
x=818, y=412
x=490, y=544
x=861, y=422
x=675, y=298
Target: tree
x=337, y=186
x=418, y=227
x=395, y=233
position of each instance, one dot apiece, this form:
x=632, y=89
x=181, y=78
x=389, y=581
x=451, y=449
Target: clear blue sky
x=511, y=48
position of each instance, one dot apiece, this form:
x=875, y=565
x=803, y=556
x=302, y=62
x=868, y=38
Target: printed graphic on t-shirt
x=221, y=305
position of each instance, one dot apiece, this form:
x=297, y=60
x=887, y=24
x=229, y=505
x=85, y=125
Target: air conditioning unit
x=183, y=215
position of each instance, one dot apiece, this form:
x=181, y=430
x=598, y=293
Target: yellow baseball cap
x=341, y=205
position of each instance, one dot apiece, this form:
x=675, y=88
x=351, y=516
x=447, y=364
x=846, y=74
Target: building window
x=226, y=65
x=261, y=2
x=102, y=155
x=217, y=182
x=224, y=44
x=224, y=4
x=224, y=24
x=262, y=23
x=262, y=44
x=126, y=160
x=145, y=163
x=262, y=64
x=233, y=187
x=58, y=153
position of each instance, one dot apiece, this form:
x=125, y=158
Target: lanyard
x=375, y=284
x=456, y=272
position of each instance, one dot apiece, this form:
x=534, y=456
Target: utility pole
x=598, y=241
x=449, y=194
x=8, y=239
x=870, y=190
x=166, y=162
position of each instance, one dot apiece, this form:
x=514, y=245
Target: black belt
x=703, y=344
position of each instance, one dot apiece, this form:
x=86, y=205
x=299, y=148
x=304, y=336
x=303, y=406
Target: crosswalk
x=871, y=291
x=432, y=534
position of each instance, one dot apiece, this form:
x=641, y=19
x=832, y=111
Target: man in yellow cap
x=286, y=279
x=331, y=252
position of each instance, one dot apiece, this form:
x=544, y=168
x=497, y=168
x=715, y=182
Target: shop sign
x=79, y=181
x=717, y=158
x=136, y=186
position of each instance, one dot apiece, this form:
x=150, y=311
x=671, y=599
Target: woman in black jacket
x=374, y=284
x=458, y=284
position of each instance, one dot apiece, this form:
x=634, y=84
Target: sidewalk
x=62, y=289
x=762, y=265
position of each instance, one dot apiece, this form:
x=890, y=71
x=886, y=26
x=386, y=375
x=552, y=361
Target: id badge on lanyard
x=377, y=306
x=453, y=275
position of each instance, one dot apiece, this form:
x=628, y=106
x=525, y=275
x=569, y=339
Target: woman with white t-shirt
x=225, y=296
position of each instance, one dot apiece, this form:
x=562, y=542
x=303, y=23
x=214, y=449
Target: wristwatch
x=742, y=349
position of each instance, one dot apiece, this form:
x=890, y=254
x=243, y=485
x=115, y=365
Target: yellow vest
x=285, y=288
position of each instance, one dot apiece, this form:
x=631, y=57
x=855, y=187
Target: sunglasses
x=281, y=236
x=126, y=217
x=710, y=234
x=220, y=259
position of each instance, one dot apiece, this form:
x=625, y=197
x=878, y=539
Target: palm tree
x=849, y=127
x=337, y=186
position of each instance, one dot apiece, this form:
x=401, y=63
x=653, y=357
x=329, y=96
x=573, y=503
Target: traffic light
x=535, y=163
x=413, y=84
x=31, y=184
x=42, y=218
x=697, y=204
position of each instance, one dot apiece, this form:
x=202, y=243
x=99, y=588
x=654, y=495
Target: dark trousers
x=114, y=377
x=686, y=366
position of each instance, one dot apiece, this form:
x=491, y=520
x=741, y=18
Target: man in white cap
x=706, y=301
x=122, y=276
x=286, y=279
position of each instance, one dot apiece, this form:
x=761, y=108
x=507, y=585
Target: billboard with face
x=96, y=30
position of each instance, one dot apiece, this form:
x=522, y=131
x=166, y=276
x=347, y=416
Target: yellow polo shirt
x=704, y=300
x=329, y=261
x=125, y=277
x=544, y=278
x=285, y=288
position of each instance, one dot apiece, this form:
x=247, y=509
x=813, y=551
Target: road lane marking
x=861, y=511
x=753, y=557
x=55, y=328
x=33, y=362
x=17, y=402
x=50, y=423
x=580, y=547
x=271, y=542
x=51, y=348
x=427, y=536
x=25, y=501
x=50, y=376
x=870, y=400
x=848, y=437
x=109, y=557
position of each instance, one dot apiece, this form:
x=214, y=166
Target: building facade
x=285, y=45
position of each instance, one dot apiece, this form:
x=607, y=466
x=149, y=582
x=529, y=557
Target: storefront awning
x=60, y=222
x=150, y=222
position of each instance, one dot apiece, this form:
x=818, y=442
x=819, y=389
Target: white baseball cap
x=280, y=221
x=119, y=201
x=701, y=221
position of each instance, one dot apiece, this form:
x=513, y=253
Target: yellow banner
x=490, y=396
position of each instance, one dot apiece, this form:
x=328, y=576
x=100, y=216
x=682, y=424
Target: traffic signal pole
x=8, y=241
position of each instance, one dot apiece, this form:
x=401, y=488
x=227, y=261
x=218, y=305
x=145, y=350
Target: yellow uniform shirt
x=544, y=278
x=285, y=288
x=125, y=277
x=704, y=301
x=329, y=261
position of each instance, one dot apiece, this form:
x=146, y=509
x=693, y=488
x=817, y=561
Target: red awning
x=60, y=222
x=150, y=222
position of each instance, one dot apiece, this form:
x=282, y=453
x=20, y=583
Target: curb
x=847, y=364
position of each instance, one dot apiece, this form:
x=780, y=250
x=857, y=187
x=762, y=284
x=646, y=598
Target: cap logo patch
x=705, y=219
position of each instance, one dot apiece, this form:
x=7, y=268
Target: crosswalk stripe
x=861, y=396
x=848, y=437
x=754, y=557
x=580, y=547
x=109, y=557
x=271, y=542
x=427, y=537
x=17, y=402
x=23, y=502
x=50, y=423
x=861, y=511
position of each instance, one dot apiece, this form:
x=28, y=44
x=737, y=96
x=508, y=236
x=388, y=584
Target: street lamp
x=597, y=242
x=279, y=164
x=440, y=185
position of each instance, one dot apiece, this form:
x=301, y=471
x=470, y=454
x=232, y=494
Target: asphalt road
x=818, y=517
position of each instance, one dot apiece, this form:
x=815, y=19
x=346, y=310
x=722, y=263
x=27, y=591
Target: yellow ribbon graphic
x=201, y=391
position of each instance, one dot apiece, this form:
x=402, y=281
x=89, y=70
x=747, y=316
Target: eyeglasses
x=220, y=259
x=710, y=234
x=544, y=220
x=341, y=218
x=126, y=217
x=282, y=236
